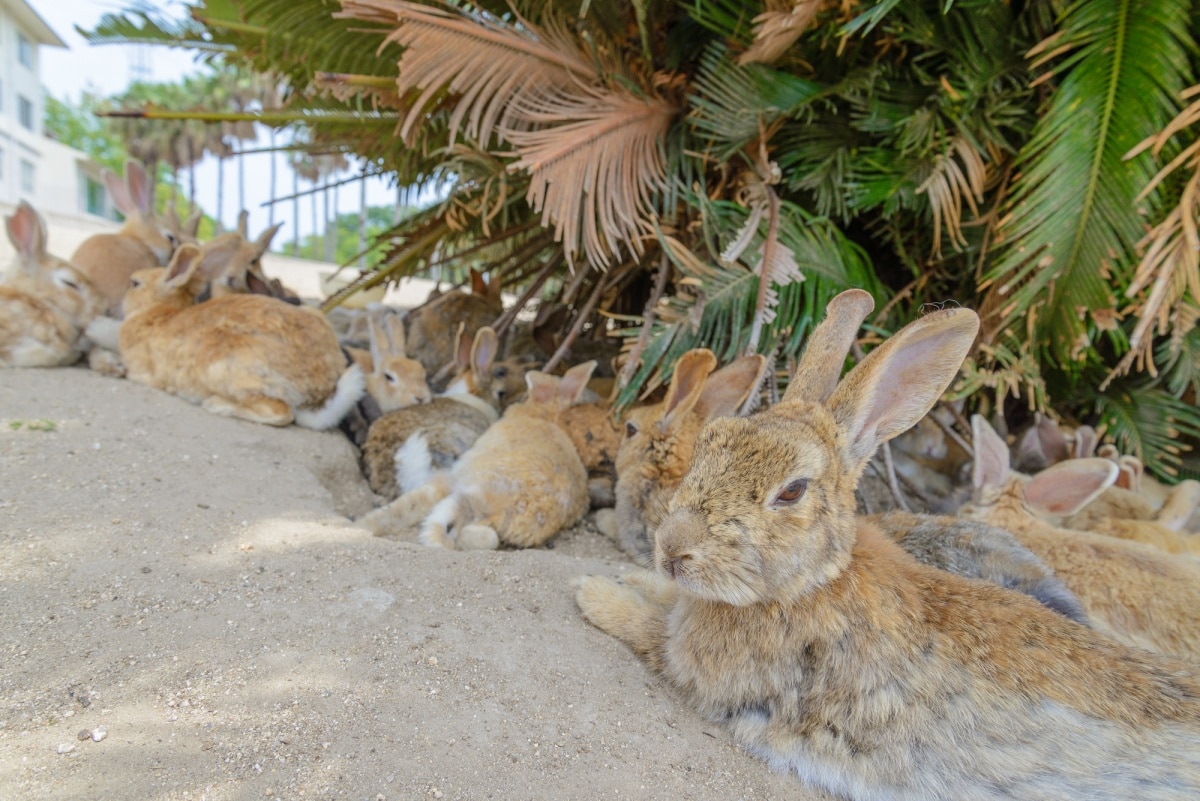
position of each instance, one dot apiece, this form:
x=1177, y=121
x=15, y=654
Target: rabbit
x=596, y=438
x=395, y=381
x=657, y=447
x=45, y=303
x=432, y=326
x=973, y=549
x=233, y=263
x=185, y=232
x=406, y=446
x=143, y=242
x=517, y=485
x=1135, y=593
x=831, y=653
x=245, y=356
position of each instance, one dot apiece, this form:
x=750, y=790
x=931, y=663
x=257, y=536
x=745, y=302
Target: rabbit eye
x=791, y=493
x=69, y=283
x=135, y=282
x=391, y=377
x=171, y=239
x=630, y=430
x=500, y=372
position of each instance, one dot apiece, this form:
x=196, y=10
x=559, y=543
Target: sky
x=109, y=69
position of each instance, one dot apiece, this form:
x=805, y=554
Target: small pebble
x=99, y=733
x=66, y=748
x=146, y=569
x=84, y=734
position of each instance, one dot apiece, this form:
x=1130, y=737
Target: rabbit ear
x=575, y=381
x=483, y=350
x=263, y=243
x=828, y=345
x=1042, y=445
x=542, y=387
x=1065, y=488
x=27, y=234
x=687, y=382
x=138, y=184
x=118, y=193
x=726, y=390
x=217, y=255
x=395, y=331
x=1085, y=442
x=1130, y=476
x=183, y=266
x=243, y=225
x=463, y=343
x=191, y=226
x=991, y=455
x=378, y=342
x=900, y=381
x=478, y=285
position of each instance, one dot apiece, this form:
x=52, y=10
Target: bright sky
x=108, y=69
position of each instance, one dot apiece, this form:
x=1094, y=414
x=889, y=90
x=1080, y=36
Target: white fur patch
x=414, y=464
x=350, y=388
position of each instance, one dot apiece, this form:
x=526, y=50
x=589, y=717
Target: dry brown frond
x=486, y=63
x=595, y=163
x=949, y=186
x=775, y=30
x=1170, y=263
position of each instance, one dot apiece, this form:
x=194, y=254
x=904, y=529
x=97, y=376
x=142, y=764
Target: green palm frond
x=1070, y=229
x=1150, y=423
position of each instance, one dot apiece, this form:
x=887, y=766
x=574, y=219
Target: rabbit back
x=33, y=333
x=449, y=427
x=432, y=327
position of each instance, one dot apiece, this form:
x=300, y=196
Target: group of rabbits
x=1045, y=643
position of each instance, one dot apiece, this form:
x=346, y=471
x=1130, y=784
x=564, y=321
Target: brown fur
x=246, y=356
x=450, y=423
x=833, y=654
x=45, y=303
x=518, y=484
x=657, y=447
x=432, y=326
x=394, y=380
x=1134, y=592
x=109, y=260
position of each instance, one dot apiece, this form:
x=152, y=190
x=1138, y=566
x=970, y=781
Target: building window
x=95, y=197
x=27, y=176
x=25, y=112
x=24, y=51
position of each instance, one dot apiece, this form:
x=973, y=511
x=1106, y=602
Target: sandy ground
x=192, y=586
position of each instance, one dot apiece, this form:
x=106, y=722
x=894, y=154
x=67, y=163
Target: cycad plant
x=712, y=171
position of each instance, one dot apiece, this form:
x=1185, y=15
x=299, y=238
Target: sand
x=194, y=587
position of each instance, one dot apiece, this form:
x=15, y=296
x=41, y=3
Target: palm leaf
x=1069, y=230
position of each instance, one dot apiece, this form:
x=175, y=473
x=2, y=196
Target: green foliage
x=77, y=126
x=379, y=220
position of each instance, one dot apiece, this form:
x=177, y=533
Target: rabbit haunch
x=45, y=302
x=831, y=653
x=245, y=356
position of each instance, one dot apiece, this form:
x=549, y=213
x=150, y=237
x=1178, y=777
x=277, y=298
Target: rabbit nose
x=675, y=565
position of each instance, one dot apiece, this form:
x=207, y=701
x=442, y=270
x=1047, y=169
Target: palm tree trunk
x=220, y=212
x=331, y=227
x=295, y=213
x=152, y=175
x=174, y=185
x=271, y=213
x=325, y=214
x=362, y=220
x=192, y=187
x=316, y=232
x=241, y=180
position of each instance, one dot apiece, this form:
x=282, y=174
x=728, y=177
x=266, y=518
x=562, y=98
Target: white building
x=58, y=180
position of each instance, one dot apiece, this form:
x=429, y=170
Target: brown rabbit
x=244, y=356
x=432, y=326
x=597, y=439
x=141, y=243
x=405, y=447
x=395, y=381
x=517, y=485
x=657, y=448
x=833, y=654
x=45, y=303
x=233, y=263
x=1137, y=594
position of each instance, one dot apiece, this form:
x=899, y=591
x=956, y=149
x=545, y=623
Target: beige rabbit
x=1134, y=592
x=597, y=438
x=395, y=381
x=405, y=447
x=432, y=326
x=517, y=485
x=45, y=303
x=657, y=448
x=233, y=262
x=245, y=356
x=141, y=243
x=831, y=653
